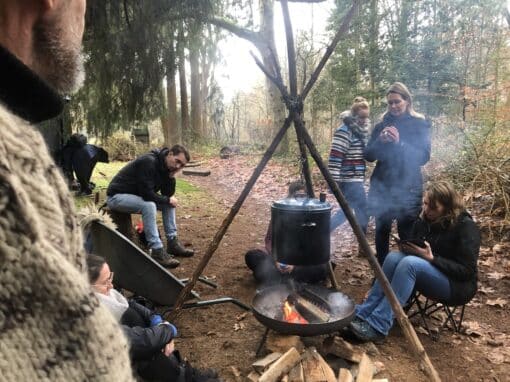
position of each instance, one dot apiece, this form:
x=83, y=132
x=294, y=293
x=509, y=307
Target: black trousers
x=265, y=271
x=159, y=367
x=383, y=224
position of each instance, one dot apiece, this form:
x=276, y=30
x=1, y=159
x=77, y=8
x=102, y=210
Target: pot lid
x=301, y=204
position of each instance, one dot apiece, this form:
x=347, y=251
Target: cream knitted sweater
x=51, y=325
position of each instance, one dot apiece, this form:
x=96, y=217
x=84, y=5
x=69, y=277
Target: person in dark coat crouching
x=151, y=339
x=442, y=267
x=400, y=144
x=80, y=158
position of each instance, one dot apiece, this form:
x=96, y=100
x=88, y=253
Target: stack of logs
x=300, y=364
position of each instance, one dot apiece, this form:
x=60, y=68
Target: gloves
x=172, y=328
x=157, y=320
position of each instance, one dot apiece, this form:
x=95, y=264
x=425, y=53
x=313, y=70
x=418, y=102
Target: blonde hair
x=444, y=193
x=402, y=90
x=359, y=103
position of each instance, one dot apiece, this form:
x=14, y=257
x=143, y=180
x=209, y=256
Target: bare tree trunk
x=174, y=135
x=372, y=49
x=207, y=58
x=165, y=124
x=185, y=128
x=278, y=109
x=196, y=102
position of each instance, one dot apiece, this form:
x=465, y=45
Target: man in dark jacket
x=135, y=190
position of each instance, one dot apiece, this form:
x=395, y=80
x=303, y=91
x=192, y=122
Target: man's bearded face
x=57, y=54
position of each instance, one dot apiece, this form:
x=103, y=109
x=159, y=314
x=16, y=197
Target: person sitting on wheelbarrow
x=151, y=339
x=266, y=271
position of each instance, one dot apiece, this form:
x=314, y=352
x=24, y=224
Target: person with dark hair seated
x=439, y=260
x=146, y=185
x=266, y=271
x=150, y=338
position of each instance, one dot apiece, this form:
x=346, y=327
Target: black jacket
x=455, y=251
x=24, y=93
x=145, y=176
x=145, y=342
x=397, y=180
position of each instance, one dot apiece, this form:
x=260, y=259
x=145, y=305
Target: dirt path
x=224, y=336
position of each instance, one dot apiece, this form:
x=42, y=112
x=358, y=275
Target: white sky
x=239, y=71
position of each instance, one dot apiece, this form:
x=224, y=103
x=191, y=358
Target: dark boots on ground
x=177, y=249
x=164, y=258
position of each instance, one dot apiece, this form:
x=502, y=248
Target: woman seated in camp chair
x=439, y=261
x=150, y=338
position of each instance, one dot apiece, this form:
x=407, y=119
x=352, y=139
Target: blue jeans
x=355, y=195
x=134, y=204
x=405, y=273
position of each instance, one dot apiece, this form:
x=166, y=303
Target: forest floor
x=225, y=337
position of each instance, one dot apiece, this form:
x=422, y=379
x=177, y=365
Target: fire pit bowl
x=268, y=307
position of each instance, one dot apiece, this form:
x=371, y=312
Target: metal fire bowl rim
x=310, y=329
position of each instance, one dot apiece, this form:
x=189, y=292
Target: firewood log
x=308, y=310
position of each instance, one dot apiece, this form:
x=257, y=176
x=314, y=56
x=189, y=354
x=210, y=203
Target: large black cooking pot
x=268, y=306
x=300, y=231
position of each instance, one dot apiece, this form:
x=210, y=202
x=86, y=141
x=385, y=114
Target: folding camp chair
x=421, y=305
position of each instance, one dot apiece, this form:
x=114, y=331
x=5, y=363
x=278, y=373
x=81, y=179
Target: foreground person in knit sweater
x=52, y=327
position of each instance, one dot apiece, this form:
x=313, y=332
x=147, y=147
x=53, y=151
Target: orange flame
x=291, y=315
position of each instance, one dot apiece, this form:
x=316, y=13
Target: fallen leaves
x=501, y=302
x=239, y=326
x=496, y=275
x=497, y=357
x=472, y=328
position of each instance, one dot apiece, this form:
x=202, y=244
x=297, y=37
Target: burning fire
x=291, y=315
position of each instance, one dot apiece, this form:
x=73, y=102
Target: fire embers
x=304, y=306
x=291, y=315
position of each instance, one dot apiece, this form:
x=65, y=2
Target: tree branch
x=241, y=32
x=339, y=34
x=291, y=53
x=279, y=84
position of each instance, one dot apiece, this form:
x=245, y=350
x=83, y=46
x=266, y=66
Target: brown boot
x=164, y=259
x=175, y=248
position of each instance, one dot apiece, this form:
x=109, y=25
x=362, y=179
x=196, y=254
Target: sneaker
x=175, y=248
x=163, y=258
x=357, y=320
x=365, y=333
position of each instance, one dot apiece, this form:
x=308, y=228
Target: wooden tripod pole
x=379, y=274
x=215, y=242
